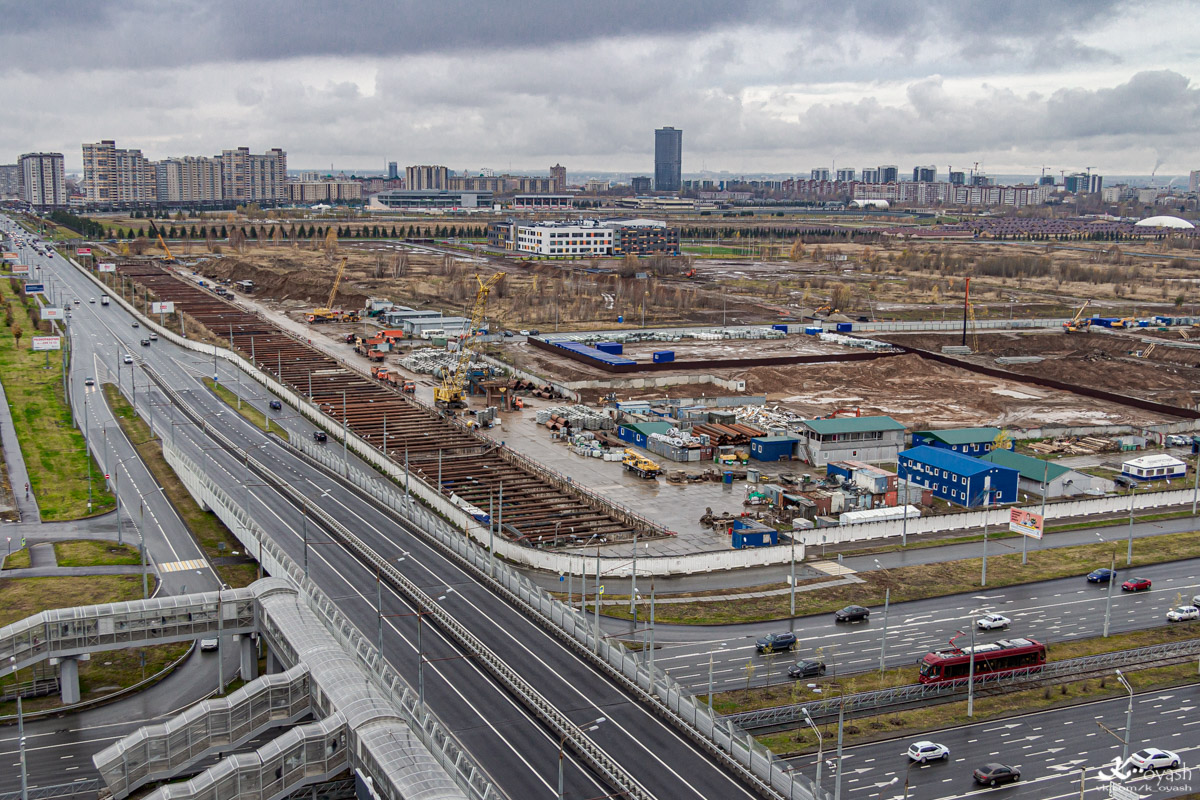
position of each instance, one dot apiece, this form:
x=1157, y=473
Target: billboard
x=47, y=342
x=35, y=288
x=83, y=251
x=1026, y=523
x=165, y=307
x=10, y=256
x=52, y=313
x=20, y=269
x=106, y=266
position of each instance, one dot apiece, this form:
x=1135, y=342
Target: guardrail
x=89, y=788
x=1053, y=672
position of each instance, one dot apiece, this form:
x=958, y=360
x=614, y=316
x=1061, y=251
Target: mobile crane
x=327, y=313
x=170, y=259
x=450, y=393
x=1076, y=324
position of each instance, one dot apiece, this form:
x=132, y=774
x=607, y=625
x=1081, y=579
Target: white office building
x=583, y=238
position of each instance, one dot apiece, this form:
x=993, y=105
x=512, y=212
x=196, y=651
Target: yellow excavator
x=450, y=393
x=327, y=313
x=1077, y=324
x=170, y=259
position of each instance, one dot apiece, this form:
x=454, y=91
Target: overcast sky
x=756, y=86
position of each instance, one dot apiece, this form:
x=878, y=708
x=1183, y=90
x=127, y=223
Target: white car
x=1196, y=600
x=927, y=751
x=1181, y=613
x=208, y=644
x=991, y=621
x=1152, y=758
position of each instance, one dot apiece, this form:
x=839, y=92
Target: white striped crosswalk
x=179, y=566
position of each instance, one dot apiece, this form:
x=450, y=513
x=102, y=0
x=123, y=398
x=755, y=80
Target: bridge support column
x=249, y=657
x=68, y=680
x=273, y=664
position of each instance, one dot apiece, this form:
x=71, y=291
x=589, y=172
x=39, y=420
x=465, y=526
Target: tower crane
x=450, y=393
x=327, y=313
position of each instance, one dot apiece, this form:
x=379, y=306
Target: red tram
x=1005, y=655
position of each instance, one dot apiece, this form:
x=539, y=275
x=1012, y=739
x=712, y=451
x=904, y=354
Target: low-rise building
x=643, y=237
x=578, y=239
x=543, y=202
x=968, y=441
x=430, y=198
x=958, y=479
x=878, y=439
x=1154, y=468
x=1040, y=477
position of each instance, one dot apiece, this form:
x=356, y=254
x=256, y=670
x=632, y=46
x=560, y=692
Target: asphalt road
x=1050, y=611
x=1051, y=748
x=516, y=750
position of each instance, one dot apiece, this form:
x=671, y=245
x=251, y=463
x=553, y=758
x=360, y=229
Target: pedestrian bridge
x=324, y=670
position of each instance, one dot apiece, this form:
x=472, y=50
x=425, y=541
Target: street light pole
x=1129, y=551
x=792, y=608
x=887, y=597
x=632, y=580
x=820, y=746
x=837, y=778
x=1128, y=717
x=1112, y=578
x=971, y=675
x=987, y=508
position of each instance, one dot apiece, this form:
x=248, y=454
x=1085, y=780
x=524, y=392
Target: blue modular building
x=958, y=479
x=773, y=448
x=968, y=441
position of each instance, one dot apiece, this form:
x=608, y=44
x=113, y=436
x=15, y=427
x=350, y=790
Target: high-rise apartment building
x=393, y=171
x=668, y=160
x=925, y=174
x=112, y=175
x=845, y=175
x=558, y=177
x=642, y=184
x=246, y=177
x=10, y=181
x=426, y=177
x=820, y=174
x=888, y=173
x=42, y=181
x=870, y=175
x=1194, y=180
x=191, y=179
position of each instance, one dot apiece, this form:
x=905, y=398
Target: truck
x=103, y=299
x=641, y=466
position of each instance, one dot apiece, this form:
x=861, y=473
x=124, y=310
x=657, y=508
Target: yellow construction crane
x=450, y=393
x=328, y=313
x=154, y=229
x=1076, y=323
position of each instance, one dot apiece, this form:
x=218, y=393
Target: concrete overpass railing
x=160, y=752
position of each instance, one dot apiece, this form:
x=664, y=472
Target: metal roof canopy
x=852, y=425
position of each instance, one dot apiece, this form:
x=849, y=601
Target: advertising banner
x=165, y=307
x=1026, y=523
x=52, y=313
x=20, y=269
x=35, y=288
x=47, y=342
x=83, y=251
x=10, y=256
x=106, y=266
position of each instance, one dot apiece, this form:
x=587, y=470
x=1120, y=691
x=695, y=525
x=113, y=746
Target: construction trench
x=535, y=506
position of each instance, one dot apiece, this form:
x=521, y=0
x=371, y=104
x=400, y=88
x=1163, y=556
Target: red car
x=1135, y=585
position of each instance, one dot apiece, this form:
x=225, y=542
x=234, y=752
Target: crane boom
x=450, y=393
x=163, y=244
x=327, y=313
x=337, y=279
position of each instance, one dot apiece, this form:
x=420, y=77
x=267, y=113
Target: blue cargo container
x=772, y=448
x=845, y=327
x=783, y=328
x=749, y=533
x=613, y=348
x=663, y=356
x=835, y=468
x=813, y=331
x=1143, y=323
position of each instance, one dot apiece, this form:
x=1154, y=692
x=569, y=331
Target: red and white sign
x=52, y=313
x=83, y=251
x=1026, y=522
x=11, y=256
x=106, y=266
x=47, y=342
x=165, y=307
x=20, y=269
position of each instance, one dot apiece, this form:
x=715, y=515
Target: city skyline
x=761, y=88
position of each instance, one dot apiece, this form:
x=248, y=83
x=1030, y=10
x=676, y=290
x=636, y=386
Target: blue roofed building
x=968, y=441
x=958, y=479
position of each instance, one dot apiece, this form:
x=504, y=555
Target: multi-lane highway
x=517, y=751
x=1050, y=611
x=1051, y=748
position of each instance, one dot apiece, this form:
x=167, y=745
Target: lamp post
x=1128, y=717
x=792, y=581
x=887, y=600
x=20, y=733
x=987, y=507
x=1129, y=551
x=562, y=743
x=1112, y=578
x=820, y=745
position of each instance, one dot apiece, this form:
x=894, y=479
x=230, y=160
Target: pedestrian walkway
x=42, y=556
x=18, y=475
x=74, y=572
x=847, y=579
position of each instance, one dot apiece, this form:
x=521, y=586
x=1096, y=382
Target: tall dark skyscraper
x=668, y=160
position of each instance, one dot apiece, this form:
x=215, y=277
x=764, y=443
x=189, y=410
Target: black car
x=991, y=774
x=806, y=669
x=145, y=342
x=275, y=405
x=1102, y=575
x=319, y=436
x=776, y=643
x=136, y=325
x=852, y=614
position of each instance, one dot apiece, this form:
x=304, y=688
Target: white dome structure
x=882, y=205
x=1165, y=222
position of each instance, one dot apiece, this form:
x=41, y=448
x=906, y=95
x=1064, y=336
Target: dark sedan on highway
x=992, y=774
x=806, y=669
x=852, y=614
x=1101, y=575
